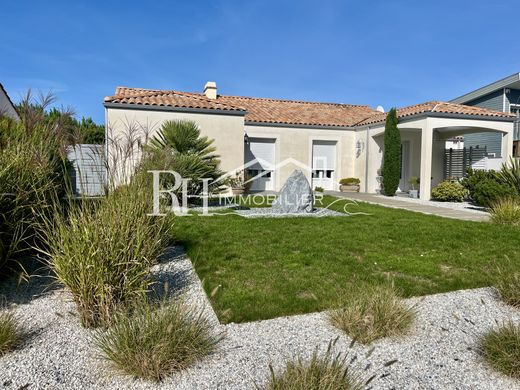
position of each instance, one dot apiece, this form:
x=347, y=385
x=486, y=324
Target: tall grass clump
x=506, y=211
x=32, y=173
x=372, y=312
x=329, y=371
x=501, y=349
x=102, y=251
x=507, y=282
x=10, y=332
x=152, y=342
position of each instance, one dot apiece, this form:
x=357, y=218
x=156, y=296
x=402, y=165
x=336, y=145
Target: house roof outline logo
x=265, y=164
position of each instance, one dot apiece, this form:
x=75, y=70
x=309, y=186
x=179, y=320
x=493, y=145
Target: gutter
x=214, y=111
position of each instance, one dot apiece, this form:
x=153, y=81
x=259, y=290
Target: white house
x=333, y=140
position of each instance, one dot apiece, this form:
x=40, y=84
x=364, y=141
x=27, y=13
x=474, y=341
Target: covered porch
x=423, y=144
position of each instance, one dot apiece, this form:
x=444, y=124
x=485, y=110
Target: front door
x=405, y=166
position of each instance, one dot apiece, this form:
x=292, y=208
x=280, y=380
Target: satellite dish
x=380, y=109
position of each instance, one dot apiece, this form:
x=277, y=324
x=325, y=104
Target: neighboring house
x=504, y=96
x=268, y=135
x=87, y=170
x=6, y=105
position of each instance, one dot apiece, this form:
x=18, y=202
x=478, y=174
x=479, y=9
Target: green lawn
x=263, y=268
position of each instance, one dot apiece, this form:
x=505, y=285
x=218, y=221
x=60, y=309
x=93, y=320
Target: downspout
x=107, y=168
x=366, y=159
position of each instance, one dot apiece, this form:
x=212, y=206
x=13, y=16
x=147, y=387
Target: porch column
x=507, y=146
x=426, y=161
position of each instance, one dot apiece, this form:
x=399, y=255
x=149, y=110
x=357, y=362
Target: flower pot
x=413, y=194
x=238, y=190
x=349, y=187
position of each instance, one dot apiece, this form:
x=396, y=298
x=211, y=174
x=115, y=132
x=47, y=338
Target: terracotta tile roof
x=260, y=110
x=436, y=106
x=263, y=110
x=152, y=97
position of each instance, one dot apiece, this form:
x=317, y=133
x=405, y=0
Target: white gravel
x=439, y=353
x=267, y=212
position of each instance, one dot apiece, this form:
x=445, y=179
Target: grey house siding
x=493, y=141
x=88, y=172
x=513, y=97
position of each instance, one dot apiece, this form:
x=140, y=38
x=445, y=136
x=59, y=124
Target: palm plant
x=510, y=174
x=184, y=150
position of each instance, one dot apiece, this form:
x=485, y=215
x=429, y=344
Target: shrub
x=349, y=181
x=505, y=211
x=102, y=253
x=392, y=154
x=501, y=349
x=449, y=191
x=32, y=175
x=372, y=312
x=10, y=332
x=484, y=187
x=330, y=371
x=319, y=189
x=153, y=342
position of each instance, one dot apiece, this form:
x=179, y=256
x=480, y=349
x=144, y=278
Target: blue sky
x=390, y=53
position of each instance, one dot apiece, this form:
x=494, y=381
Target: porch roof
x=440, y=108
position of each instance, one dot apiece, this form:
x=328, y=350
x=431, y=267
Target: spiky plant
x=501, y=349
x=330, y=371
x=510, y=174
x=152, y=342
x=10, y=332
x=372, y=312
x=190, y=154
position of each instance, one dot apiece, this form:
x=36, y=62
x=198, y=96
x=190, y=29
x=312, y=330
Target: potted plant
x=237, y=184
x=414, y=182
x=241, y=183
x=349, y=184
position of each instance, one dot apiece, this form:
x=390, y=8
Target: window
x=515, y=109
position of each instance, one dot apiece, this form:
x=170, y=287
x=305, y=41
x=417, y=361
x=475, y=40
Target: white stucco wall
x=296, y=143
x=227, y=131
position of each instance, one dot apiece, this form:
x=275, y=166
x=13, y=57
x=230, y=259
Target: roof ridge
x=293, y=101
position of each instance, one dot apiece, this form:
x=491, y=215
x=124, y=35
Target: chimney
x=210, y=90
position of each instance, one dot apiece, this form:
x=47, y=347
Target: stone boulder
x=295, y=196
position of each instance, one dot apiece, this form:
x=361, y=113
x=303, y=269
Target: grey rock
x=295, y=196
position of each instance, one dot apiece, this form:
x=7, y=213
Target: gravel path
x=439, y=352
x=466, y=206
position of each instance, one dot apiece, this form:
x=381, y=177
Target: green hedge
x=486, y=187
x=449, y=191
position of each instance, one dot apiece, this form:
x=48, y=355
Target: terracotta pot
x=349, y=187
x=238, y=190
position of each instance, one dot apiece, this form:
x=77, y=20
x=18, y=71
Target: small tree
x=392, y=154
